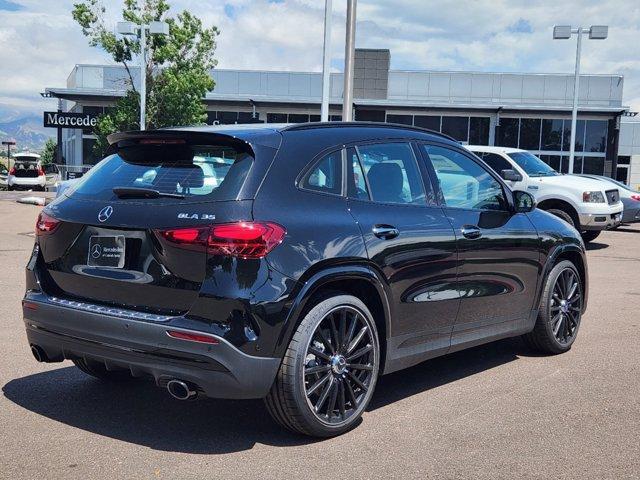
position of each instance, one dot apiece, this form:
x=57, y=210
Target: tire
x=544, y=337
x=590, y=235
x=563, y=215
x=296, y=401
x=98, y=370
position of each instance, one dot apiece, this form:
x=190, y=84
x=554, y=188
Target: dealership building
x=525, y=110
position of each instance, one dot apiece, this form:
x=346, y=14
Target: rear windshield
x=195, y=172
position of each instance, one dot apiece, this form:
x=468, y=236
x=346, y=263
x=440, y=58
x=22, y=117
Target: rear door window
x=392, y=173
x=326, y=175
x=203, y=172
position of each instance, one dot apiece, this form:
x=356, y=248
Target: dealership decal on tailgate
x=106, y=251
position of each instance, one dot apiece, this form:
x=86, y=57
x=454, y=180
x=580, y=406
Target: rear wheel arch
x=357, y=280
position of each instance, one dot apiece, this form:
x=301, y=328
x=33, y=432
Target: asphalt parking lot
x=496, y=411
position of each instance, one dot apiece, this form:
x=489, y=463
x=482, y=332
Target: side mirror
x=523, y=201
x=511, y=175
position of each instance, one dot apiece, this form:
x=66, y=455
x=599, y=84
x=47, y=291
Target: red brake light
x=46, y=224
x=636, y=197
x=40, y=172
x=12, y=171
x=241, y=239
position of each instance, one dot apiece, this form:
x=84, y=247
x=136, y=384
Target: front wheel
x=560, y=311
x=329, y=370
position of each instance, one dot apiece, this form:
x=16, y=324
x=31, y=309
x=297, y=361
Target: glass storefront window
x=276, y=118
x=479, y=131
x=431, y=122
x=593, y=165
x=580, y=125
x=552, y=160
x=596, y=136
x=530, y=133
x=551, y=134
x=402, y=119
x=508, y=132
x=298, y=118
x=456, y=127
x=370, y=115
x=577, y=164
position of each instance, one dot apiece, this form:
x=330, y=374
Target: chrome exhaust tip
x=181, y=390
x=38, y=353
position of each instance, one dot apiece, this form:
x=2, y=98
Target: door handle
x=385, y=232
x=471, y=232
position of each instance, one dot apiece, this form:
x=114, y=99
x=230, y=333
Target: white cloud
x=41, y=43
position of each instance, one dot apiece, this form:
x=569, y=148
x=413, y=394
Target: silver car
x=630, y=198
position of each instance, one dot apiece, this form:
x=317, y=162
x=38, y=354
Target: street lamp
x=153, y=28
x=564, y=32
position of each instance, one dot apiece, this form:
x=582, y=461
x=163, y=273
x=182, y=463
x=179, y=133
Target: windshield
x=532, y=165
x=186, y=171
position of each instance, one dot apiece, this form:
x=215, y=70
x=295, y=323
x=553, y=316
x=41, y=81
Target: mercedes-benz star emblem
x=96, y=251
x=105, y=213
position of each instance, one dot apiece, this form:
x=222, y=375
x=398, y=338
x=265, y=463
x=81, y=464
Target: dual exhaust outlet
x=178, y=389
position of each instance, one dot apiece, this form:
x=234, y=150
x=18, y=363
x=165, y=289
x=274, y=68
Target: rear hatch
x=27, y=169
x=130, y=233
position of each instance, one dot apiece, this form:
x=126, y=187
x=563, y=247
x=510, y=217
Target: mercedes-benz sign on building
x=525, y=110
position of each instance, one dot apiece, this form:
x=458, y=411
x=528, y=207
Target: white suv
x=582, y=202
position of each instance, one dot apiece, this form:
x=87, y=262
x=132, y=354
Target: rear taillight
x=46, y=224
x=12, y=171
x=40, y=172
x=636, y=197
x=193, y=337
x=240, y=239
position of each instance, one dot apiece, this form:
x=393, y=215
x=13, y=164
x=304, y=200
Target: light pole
x=349, y=54
x=564, y=32
x=9, y=144
x=153, y=28
x=326, y=62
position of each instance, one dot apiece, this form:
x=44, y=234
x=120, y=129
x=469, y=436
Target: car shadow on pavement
x=596, y=246
x=138, y=412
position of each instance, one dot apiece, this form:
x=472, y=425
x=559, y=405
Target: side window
x=496, y=162
x=326, y=175
x=463, y=182
x=356, y=183
x=392, y=173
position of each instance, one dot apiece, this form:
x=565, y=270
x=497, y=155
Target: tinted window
x=595, y=136
x=403, y=119
x=479, y=131
x=456, y=127
x=464, y=183
x=496, y=162
x=507, y=135
x=298, y=118
x=370, y=115
x=593, y=165
x=392, y=173
x=276, y=118
x=357, y=185
x=427, y=121
x=326, y=175
x=530, y=133
x=532, y=164
x=551, y=134
x=203, y=172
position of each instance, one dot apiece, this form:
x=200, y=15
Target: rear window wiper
x=138, y=192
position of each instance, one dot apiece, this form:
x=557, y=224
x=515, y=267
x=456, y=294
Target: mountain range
x=25, y=128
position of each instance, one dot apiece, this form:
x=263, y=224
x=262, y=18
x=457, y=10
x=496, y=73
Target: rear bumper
x=26, y=182
x=143, y=347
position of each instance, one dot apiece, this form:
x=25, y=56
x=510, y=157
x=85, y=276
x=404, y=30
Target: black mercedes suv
x=294, y=263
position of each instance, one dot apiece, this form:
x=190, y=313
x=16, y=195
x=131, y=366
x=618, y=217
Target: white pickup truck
x=586, y=204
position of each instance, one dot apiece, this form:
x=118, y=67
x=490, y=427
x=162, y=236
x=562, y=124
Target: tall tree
x=177, y=69
x=49, y=152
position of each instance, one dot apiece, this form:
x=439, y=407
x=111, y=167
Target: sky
x=40, y=43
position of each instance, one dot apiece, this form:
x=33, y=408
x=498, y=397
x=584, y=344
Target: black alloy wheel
x=339, y=365
x=566, y=306
x=330, y=369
